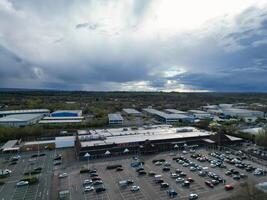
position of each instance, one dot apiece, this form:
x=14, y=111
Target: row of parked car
x=93, y=183
x=239, y=162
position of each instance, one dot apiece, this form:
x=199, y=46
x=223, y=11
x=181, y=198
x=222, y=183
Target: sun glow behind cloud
x=131, y=44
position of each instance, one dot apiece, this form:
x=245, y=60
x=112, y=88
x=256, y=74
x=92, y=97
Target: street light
x=87, y=155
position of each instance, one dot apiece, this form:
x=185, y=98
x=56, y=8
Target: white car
x=135, y=188
x=174, y=175
x=184, y=152
x=87, y=182
x=158, y=163
x=88, y=188
x=5, y=172
x=179, y=180
x=63, y=175
x=22, y=183
x=193, y=196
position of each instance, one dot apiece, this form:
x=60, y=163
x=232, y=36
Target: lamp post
x=87, y=155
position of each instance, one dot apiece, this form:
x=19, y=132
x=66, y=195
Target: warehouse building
x=131, y=111
x=61, y=120
x=32, y=111
x=168, y=118
x=115, y=118
x=200, y=114
x=144, y=140
x=242, y=113
x=66, y=113
x=174, y=111
x=20, y=120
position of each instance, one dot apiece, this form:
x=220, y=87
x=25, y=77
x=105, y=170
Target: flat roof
x=174, y=111
x=19, y=117
x=39, y=142
x=115, y=116
x=9, y=112
x=69, y=111
x=131, y=111
x=157, y=133
x=60, y=121
x=198, y=111
x=233, y=138
x=9, y=144
x=238, y=110
x=63, y=118
x=165, y=115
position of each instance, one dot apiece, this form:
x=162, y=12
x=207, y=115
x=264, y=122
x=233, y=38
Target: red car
x=208, y=183
x=229, y=187
x=97, y=178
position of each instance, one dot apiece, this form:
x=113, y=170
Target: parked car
x=172, y=193
x=208, y=183
x=100, y=189
x=193, y=196
x=229, y=187
x=63, y=175
x=164, y=185
x=22, y=183
x=135, y=188
x=88, y=188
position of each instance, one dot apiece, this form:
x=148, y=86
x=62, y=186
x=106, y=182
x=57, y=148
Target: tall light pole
x=87, y=155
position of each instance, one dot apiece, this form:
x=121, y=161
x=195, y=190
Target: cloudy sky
x=137, y=45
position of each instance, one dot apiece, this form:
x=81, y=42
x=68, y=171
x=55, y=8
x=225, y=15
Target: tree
x=261, y=137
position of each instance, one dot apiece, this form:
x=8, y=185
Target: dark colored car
x=166, y=169
x=119, y=169
x=141, y=173
x=101, y=189
x=164, y=185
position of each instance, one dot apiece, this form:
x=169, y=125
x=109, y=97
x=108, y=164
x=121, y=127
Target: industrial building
x=174, y=111
x=242, y=113
x=168, y=118
x=66, y=113
x=32, y=111
x=20, y=120
x=115, y=118
x=144, y=140
x=131, y=111
x=200, y=114
x=61, y=120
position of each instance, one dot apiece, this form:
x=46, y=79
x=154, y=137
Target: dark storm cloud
x=71, y=45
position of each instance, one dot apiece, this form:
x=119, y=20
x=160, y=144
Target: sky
x=134, y=45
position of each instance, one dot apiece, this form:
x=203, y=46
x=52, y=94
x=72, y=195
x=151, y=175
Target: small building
x=20, y=120
x=66, y=113
x=30, y=111
x=61, y=120
x=131, y=111
x=115, y=118
x=10, y=146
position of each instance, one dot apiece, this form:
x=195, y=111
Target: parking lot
x=50, y=185
x=148, y=188
x=40, y=190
